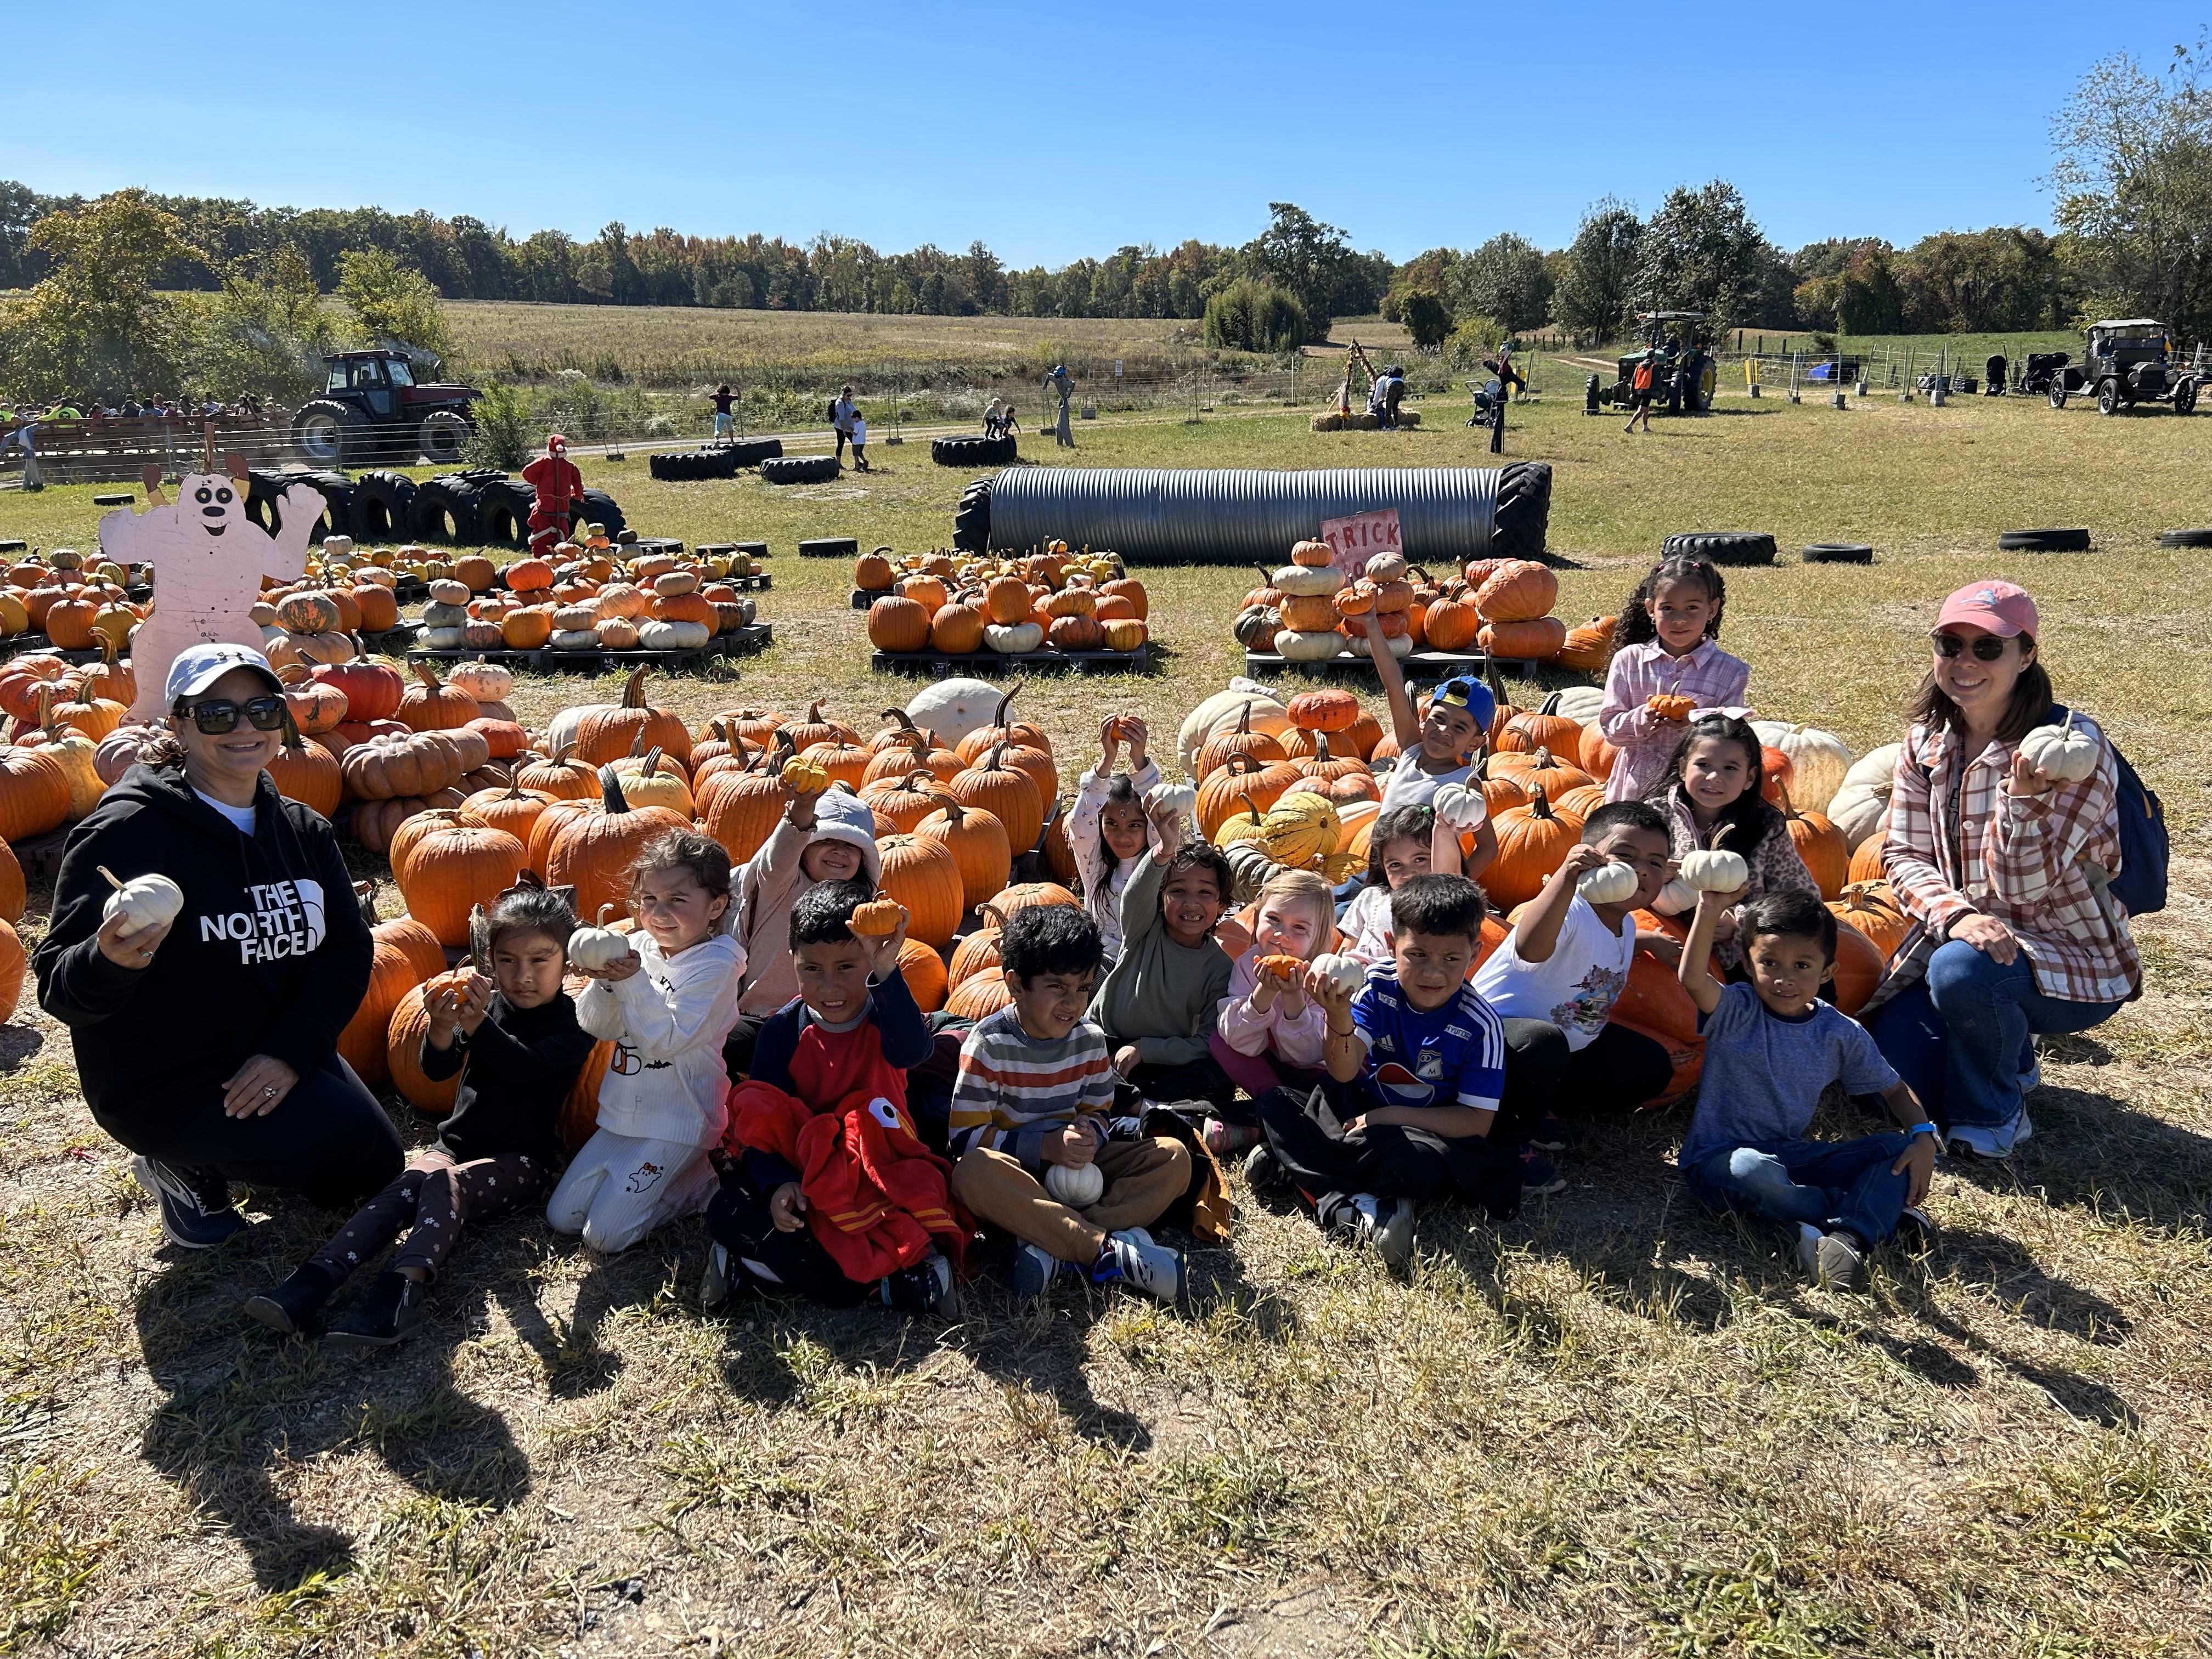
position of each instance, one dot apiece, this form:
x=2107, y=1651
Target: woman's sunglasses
x=215, y=717
x=1987, y=647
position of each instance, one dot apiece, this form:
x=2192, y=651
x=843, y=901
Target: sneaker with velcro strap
x=926, y=1287
x=1155, y=1269
x=192, y=1219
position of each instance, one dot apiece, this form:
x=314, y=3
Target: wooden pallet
x=759, y=584
x=394, y=641
x=992, y=664
x=24, y=644
x=1427, y=666
x=41, y=855
x=746, y=642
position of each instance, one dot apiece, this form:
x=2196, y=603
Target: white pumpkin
x=487, y=682
x=1714, y=870
x=594, y=948
x=1460, y=807
x=148, y=901
x=2065, y=753
x=1013, y=638
x=954, y=707
x=1609, y=883
x=1079, y=1186
x=1579, y=703
x=1386, y=568
x=1307, y=647
x=1307, y=581
x=337, y=547
x=656, y=634
x=1818, y=762
x=1221, y=711
x=1676, y=896
x=1178, y=797
x=446, y=639
x=1863, y=803
x=1402, y=645
x=446, y=591
x=1346, y=974
x=437, y=614
x=576, y=639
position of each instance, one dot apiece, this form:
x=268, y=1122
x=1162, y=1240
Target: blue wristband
x=1924, y=1129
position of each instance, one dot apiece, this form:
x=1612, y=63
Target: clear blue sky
x=1053, y=130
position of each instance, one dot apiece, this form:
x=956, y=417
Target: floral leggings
x=431, y=1201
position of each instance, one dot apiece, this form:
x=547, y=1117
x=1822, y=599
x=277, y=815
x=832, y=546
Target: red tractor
x=372, y=410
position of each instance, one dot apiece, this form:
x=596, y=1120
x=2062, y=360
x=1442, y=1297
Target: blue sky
x=1052, y=131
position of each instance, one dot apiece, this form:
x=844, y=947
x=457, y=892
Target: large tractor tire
x=1523, y=512
x=1838, y=553
x=503, y=513
x=331, y=434
x=830, y=547
x=380, y=501
x=446, y=510
x=443, y=434
x=751, y=452
x=973, y=451
x=1722, y=546
x=597, y=507
x=264, y=500
x=799, y=469
x=971, y=520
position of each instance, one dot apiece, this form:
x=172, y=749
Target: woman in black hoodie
x=209, y=1045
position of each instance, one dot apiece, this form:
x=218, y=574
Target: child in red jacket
x=828, y=1192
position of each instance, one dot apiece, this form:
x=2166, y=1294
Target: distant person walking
x=859, y=435
x=1642, y=385
x=841, y=416
x=722, y=397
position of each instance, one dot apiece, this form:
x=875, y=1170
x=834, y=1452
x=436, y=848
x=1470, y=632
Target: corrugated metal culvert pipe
x=1153, y=515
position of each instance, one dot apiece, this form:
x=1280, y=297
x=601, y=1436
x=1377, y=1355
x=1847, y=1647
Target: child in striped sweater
x=1028, y=1124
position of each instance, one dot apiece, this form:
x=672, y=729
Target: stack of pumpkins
x=59, y=717
x=1307, y=611
x=1286, y=787
x=79, y=604
x=339, y=563
x=583, y=600
x=954, y=604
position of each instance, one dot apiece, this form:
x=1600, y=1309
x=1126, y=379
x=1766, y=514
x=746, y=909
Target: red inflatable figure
x=559, y=489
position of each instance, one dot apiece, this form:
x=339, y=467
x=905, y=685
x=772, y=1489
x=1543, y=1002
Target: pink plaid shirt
x=1708, y=675
x=2020, y=859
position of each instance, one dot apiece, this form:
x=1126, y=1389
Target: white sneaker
x=1994, y=1144
x=1153, y=1268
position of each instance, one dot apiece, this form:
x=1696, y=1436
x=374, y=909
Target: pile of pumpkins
x=956, y=603
x=340, y=558
x=77, y=603
x=1310, y=611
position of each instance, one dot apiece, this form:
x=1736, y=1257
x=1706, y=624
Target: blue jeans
x=1824, y=1183
x=1960, y=1037
x=722, y=425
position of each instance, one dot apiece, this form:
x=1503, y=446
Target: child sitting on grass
x=1035, y=1086
x=1268, y=1031
x=825, y=837
x=1710, y=794
x=1772, y=1046
x=1406, y=842
x=1159, y=1003
x=1426, y=1089
x=1566, y=961
x=1440, y=747
x=828, y=1191
x=1665, y=645
x=667, y=1006
x=1106, y=828
x=515, y=1031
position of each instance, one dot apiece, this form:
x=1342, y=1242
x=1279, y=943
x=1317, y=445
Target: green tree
x=1314, y=263
x=1472, y=340
x=266, y=331
x=1591, y=300
x=1254, y=316
x=1426, y=315
x=2000, y=279
x=1505, y=278
x=95, y=324
x=392, y=304
x=1701, y=251
x=2133, y=183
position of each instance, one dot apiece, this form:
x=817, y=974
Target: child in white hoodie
x=829, y=836
x=666, y=1007
x=1107, y=829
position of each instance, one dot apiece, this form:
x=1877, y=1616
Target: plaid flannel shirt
x=2019, y=859
x=1708, y=675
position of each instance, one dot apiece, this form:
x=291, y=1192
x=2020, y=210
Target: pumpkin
x=1714, y=870
x=309, y=613
x=740, y=808
x=510, y=807
x=904, y=802
x=1131, y=592
x=1863, y=804
x=403, y=1051
x=1653, y=1003
x=1866, y=863
x=476, y=572
x=817, y=727
x=1525, y=733
x=1452, y=623
x=361, y=1043
x=1324, y=766
x=1014, y=639
x=1820, y=845
x=1609, y=883
x=608, y=733
x=562, y=776
x=923, y=876
x=1076, y=632
x=1588, y=649
x=593, y=851
x=1255, y=627
x=484, y=681
x=652, y=780
x=1001, y=729
x=877, y=919
x=1325, y=710
x=305, y=772
x=1224, y=792
x=980, y=997
x=956, y=629
x=527, y=627
x=1007, y=791
x=316, y=707
x=1294, y=646
x=1533, y=842
x=1023, y=897
x=372, y=690
x=68, y=624
x=923, y=971
x=388, y=768
x=976, y=953
x=1872, y=908
x=1303, y=615
x=1538, y=767
x=1245, y=702
x=109, y=678
x=1594, y=754
x=2062, y=753
x=1299, y=829
x=452, y=865
x=1519, y=590
x=1818, y=762
x=527, y=575
x=1122, y=633
x=1240, y=739
x=1859, y=967
x=431, y=705
x=14, y=894
x=1312, y=555
x=616, y=633
x=73, y=751
x=872, y=572
x=979, y=845
x=1538, y=641
x=22, y=679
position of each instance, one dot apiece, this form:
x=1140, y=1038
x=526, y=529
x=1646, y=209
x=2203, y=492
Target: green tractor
x=1682, y=367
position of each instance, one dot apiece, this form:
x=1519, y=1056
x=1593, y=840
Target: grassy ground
x=1616, y=1420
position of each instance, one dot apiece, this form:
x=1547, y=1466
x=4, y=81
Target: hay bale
x=1332, y=421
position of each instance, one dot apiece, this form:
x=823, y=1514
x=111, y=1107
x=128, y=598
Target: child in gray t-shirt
x=1770, y=1047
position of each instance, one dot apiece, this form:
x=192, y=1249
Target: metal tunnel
x=1153, y=515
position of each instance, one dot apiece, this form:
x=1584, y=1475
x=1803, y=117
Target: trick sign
x=1360, y=538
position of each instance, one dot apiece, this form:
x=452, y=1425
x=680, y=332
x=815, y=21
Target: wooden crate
x=992, y=664
x=745, y=642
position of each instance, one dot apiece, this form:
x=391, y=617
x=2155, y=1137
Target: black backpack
x=832, y=415
x=2139, y=885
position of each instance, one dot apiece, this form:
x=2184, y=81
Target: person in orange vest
x=559, y=489
x=1644, y=384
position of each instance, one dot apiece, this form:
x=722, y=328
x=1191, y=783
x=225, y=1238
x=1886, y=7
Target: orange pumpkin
x=434, y=706
x=1866, y=857
x=1820, y=845
x=955, y=630
x=897, y=623
x=593, y=851
x=1538, y=639
x=979, y=845
x=403, y=1050
x=1533, y=842
x=1870, y=907
x=1520, y=590
x=923, y=971
x=1653, y=1003
x=1326, y=710
x=1589, y=648
x=391, y=975
x=923, y=876
x=609, y=734
x=1006, y=790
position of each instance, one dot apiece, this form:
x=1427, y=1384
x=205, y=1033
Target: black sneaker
x=1550, y=1134
x=1538, y=1178
x=293, y=1304
x=395, y=1305
x=192, y=1219
x=1917, y=1232
x=1262, y=1167
x=926, y=1287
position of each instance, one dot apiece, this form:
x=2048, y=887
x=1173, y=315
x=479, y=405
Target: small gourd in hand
x=1670, y=705
x=1609, y=883
x=593, y=949
x=878, y=918
x=805, y=777
x=1460, y=808
x=1282, y=966
x=148, y=901
x=2061, y=753
x=1178, y=797
x=1344, y=974
x=1076, y=1185
x=1715, y=872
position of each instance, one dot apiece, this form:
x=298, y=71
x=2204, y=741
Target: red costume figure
x=559, y=489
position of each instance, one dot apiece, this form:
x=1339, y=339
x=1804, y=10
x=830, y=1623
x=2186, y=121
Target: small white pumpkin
x=1344, y=974
x=1295, y=646
x=148, y=901
x=1179, y=797
x=1015, y=638
x=1460, y=807
x=1079, y=1186
x=1402, y=645
x=1716, y=870
x=448, y=638
x=2062, y=753
x=438, y=614
x=594, y=948
x=1307, y=581
x=337, y=547
x=1609, y=883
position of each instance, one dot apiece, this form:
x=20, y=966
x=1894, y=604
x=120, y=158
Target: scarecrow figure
x=559, y=489
x=208, y=558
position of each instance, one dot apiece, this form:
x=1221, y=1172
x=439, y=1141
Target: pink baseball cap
x=1999, y=607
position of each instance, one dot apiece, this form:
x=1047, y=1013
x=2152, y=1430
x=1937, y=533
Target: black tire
x=264, y=494
x=2185, y=538
x=750, y=550
x=597, y=507
x=380, y=501
x=503, y=513
x=799, y=469
x=123, y=499
x=2184, y=398
x=2109, y=401
x=2056, y=395
x=2045, y=541
x=751, y=452
x=1521, y=517
x=331, y=434
x=442, y=436
x=1722, y=546
x=967, y=451
x=1838, y=553
x=446, y=510
x=830, y=547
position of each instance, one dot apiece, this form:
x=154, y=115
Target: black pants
x=1617, y=1072
x=796, y=1264
x=327, y=1138
x=841, y=436
x=431, y=1201
x=1199, y=1080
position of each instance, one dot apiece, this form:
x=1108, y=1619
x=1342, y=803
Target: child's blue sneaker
x=1538, y=1178
x=194, y=1220
x=1153, y=1268
x=1035, y=1268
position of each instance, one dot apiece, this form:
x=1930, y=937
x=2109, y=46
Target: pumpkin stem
x=906, y=725
x=1320, y=747
x=786, y=746
x=428, y=675
x=611, y=794
x=1721, y=835
x=1538, y=807
x=998, y=719
x=633, y=688
x=111, y=879
x=651, y=762
x=603, y=908
x=737, y=752
x=989, y=911
x=636, y=744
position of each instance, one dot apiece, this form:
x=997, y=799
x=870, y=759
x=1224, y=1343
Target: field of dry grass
x=1617, y=1424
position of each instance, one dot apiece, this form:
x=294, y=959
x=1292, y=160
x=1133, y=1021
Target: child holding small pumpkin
x=1667, y=664
x=825, y=835
x=1406, y=842
x=514, y=1039
x=1711, y=796
x=1269, y=1032
x=667, y=996
x=1106, y=828
x=1439, y=746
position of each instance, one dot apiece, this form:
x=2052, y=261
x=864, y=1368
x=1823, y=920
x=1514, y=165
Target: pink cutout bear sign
x=207, y=557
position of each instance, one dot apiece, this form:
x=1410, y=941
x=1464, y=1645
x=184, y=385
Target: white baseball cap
x=200, y=666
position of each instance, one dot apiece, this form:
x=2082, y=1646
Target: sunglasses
x=1988, y=647
x=215, y=717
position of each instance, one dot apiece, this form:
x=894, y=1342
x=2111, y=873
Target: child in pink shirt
x=1665, y=646
x=1269, y=1032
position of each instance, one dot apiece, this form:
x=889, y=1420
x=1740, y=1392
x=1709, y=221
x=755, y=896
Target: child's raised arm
x=1536, y=935
x=1695, y=970
x=1404, y=722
